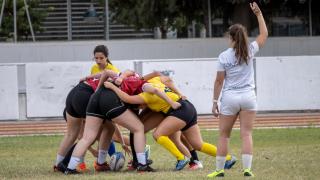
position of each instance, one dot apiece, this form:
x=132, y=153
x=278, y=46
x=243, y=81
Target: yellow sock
x=170, y=146
x=211, y=150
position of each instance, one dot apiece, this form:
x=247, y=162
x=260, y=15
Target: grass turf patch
x=278, y=154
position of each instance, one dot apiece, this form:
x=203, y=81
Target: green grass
x=278, y=154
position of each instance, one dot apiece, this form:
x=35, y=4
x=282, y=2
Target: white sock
x=74, y=162
x=102, y=156
x=246, y=161
x=141, y=158
x=220, y=161
x=59, y=159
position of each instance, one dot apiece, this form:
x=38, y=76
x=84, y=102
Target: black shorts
x=77, y=100
x=105, y=104
x=187, y=113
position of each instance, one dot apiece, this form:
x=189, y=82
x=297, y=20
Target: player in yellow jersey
x=184, y=119
x=101, y=57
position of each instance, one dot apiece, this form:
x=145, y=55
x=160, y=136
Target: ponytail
x=239, y=36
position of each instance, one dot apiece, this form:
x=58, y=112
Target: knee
x=138, y=128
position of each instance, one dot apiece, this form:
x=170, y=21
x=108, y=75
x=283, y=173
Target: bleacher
x=55, y=25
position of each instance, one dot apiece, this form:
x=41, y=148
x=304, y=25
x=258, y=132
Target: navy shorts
x=77, y=100
x=187, y=113
x=105, y=104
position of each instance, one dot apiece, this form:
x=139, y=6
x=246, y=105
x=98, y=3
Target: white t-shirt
x=239, y=77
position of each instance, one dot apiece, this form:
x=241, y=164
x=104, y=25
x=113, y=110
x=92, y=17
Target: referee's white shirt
x=239, y=77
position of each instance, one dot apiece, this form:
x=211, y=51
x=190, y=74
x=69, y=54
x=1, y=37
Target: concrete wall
x=283, y=83
x=147, y=49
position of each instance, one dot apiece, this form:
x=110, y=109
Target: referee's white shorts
x=232, y=102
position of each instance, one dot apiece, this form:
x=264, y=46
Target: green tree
x=23, y=30
x=177, y=14
x=145, y=14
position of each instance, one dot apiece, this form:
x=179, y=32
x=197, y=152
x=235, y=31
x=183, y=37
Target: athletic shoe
x=145, y=168
x=248, y=172
x=101, y=167
x=194, y=165
x=60, y=167
x=182, y=163
x=147, y=151
x=71, y=171
x=216, y=174
x=149, y=161
x=230, y=163
x=133, y=165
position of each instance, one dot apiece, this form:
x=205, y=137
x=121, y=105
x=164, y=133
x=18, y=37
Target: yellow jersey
x=156, y=103
x=95, y=68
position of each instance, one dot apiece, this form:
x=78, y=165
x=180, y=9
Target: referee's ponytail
x=238, y=35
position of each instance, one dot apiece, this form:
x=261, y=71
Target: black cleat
x=145, y=168
x=71, y=171
x=61, y=167
x=149, y=161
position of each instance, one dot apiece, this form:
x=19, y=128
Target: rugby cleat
x=230, y=163
x=101, y=167
x=182, y=163
x=248, y=172
x=216, y=174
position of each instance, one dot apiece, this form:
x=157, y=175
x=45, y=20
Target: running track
x=58, y=126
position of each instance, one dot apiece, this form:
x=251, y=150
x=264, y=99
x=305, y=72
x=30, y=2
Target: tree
x=145, y=14
x=23, y=30
x=181, y=13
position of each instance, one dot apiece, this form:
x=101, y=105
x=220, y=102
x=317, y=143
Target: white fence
x=283, y=83
x=47, y=85
x=9, y=107
x=288, y=83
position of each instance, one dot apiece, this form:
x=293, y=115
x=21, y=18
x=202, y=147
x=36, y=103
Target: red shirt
x=93, y=82
x=132, y=85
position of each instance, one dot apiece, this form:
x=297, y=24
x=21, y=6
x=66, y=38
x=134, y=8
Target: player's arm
x=123, y=75
x=98, y=75
x=151, y=75
x=118, y=135
x=105, y=75
x=147, y=87
x=136, y=99
x=218, y=83
x=263, y=31
x=169, y=83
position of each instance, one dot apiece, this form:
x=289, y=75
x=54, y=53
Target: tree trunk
x=241, y=15
x=163, y=32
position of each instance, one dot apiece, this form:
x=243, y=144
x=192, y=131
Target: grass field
x=278, y=154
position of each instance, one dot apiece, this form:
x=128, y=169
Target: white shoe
x=195, y=165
